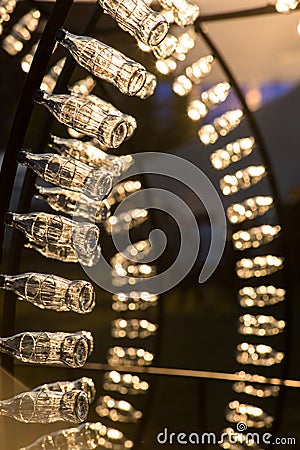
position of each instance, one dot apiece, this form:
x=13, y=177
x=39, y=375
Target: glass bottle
x=104, y=62
x=74, y=203
x=86, y=436
x=79, y=113
x=47, y=291
x=88, y=154
x=44, y=347
x=44, y=228
x=69, y=173
x=84, y=384
x=47, y=406
x=63, y=253
x=135, y=17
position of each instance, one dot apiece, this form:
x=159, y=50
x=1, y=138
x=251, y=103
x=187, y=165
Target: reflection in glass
x=104, y=62
x=129, y=356
x=88, y=154
x=260, y=296
x=134, y=301
x=83, y=115
x=74, y=203
x=258, y=355
x=233, y=152
x=47, y=406
x=249, y=209
x=124, y=383
x=259, y=266
x=69, y=173
x=133, y=328
x=252, y=416
x=84, y=384
x=62, y=253
x=87, y=436
x=45, y=347
x=117, y=410
x=255, y=237
x=47, y=291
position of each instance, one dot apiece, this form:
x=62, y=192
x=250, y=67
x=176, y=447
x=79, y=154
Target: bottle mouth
x=158, y=33
x=119, y=135
x=38, y=96
x=60, y=35
x=136, y=82
x=21, y=157
x=81, y=406
x=86, y=298
x=8, y=218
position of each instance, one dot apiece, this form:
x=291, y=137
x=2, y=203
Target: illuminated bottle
x=185, y=12
x=44, y=228
x=44, y=347
x=74, y=203
x=47, y=406
x=104, y=62
x=84, y=384
x=135, y=17
x=69, y=173
x=87, y=436
x=88, y=154
x=79, y=113
x=47, y=291
x=63, y=253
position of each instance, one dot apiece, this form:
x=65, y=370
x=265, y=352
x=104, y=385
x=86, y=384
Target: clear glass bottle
x=87, y=436
x=43, y=229
x=47, y=406
x=92, y=156
x=82, y=115
x=69, y=173
x=74, y=203
x=44, y=347
x=135, y=17
x=63, y=253
x=47, y=291
x=104, y=62
x=84, y=384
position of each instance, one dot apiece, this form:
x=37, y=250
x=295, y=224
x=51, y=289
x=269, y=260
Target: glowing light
x=117, y=410
x=259, y=266
x=252, y=207
x=255, y=237
x=252, y=416
x=221, y=126
x=233, y=152
x=260, y=296
x=260, y=325
x=258, y=355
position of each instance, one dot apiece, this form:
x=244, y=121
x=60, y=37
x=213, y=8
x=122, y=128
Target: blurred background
x=198, y=323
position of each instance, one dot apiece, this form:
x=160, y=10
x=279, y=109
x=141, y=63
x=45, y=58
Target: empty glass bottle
x=104, y=62
x=44, y=228
x=88, y=154
x=74, y=203
x=47, y=406
x=135, y=17
x=82, y=115
x=62, y=253
x=47, y=291
x=44, y=347
x=84, y=384
x=69, y=173
x=87, y=436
